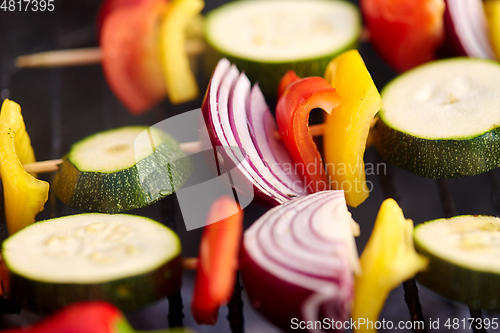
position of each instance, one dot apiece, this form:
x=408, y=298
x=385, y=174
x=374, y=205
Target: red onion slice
x=285, y=278
x=466, y=29
x=271, y=149
x=225, y=109
x=213, y=125
x=238, y=103
x=215, y=111
x=210, y=110
x=279, y=245
x=323, y=301
x=233, y=85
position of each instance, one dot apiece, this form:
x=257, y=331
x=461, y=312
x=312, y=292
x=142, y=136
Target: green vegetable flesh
x=113, y=188
x=273, y=37
x=92, y=257
x=441, y=120
x=463, y=253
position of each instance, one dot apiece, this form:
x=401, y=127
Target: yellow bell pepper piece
x=492, y=9
x=388, y=259
x=347, y=127
x=180, y=80
x=24, y=195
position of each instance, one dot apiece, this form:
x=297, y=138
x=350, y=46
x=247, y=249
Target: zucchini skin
x=123, y=190
x=273, y=71
x=128, y=294
x=269, y=73
x=477, y=289
x=438, y=158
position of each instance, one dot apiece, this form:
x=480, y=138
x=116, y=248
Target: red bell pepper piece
x=131, y=57
x=405, y=33
x=287, y=79
x=109, y=6
x=4, y=277
x=86, y=317
x=218, y=260
x=292, y=115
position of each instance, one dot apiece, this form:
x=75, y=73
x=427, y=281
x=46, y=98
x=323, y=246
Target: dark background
x=63, y=105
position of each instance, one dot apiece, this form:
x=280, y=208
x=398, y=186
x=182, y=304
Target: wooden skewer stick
x=53, y=165
x=190, y=263
x=316, y=130
x=187, y=147
x=43, y=166
x=93, y=56
x=61, y=58
x=86, y=56
x=191, y=147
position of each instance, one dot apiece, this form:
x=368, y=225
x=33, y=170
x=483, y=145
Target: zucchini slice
x=275, y=36
x=126, y=260
x=442, y=119
x=121, y=169
x=464, y=254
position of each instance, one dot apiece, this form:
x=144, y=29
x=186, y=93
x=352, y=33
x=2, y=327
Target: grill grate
x=168, y=208
x=450, y=210
x=235, y=305
x=169, y=215
x=410, y=286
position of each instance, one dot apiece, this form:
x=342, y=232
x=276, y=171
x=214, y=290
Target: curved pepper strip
x=388, y=259
x=292, y=115
x=24, y=195
x=87, y=317
x=346, y=128
x=180, y=80
x=218, y=260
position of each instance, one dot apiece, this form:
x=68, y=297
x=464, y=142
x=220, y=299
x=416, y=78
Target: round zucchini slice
x=442, y=119
x=268, y=38
x=121, y=169
x=126, y=260
x=464, y=254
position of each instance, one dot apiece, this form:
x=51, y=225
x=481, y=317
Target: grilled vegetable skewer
x=85, y=56
x=142, y=51
x=187, y=147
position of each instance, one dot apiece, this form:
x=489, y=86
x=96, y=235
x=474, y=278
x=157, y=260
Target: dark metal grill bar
x=450, y=210
x=235, y=306
x=175, y=310
x=410, y=287
x=447, y=202
x=495, y=194
x=168, y=216
x=56, y=131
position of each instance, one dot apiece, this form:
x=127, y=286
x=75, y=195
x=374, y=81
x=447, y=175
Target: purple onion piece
x=238, y=103
x=466, y=29
x=280, y=280
x=215, y=112
x=271, y=149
